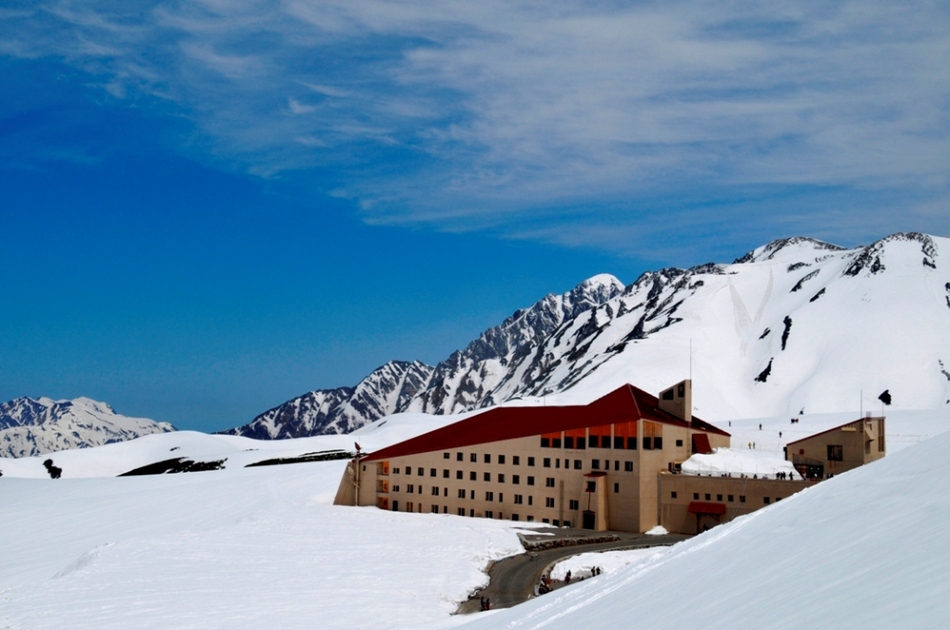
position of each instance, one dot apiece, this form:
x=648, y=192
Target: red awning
x=704, y=507
x=701, y=444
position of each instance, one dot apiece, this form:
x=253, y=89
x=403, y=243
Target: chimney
x=678, y=400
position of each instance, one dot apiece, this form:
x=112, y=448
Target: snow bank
x=607, y=561
x=724, y=461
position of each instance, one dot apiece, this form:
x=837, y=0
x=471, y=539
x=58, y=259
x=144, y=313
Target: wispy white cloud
x=577, y=123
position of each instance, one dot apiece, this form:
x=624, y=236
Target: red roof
x=624, y=404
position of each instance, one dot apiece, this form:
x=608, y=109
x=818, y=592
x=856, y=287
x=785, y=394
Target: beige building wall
x=841, y=449
x=521, y=480
x=735, y=495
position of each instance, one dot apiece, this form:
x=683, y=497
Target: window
x=445, y=509
x=708, y=496
x=487, y=458
x=530, y=481
x=445, y=473
x=530, y=461
x=545, y=442
x=549, y=482
x=435, y=490
x=766, y=500
x=568, y=441
x=628, y=466
x=501, y=478
x=546, y=462
x=595, y=464
x=486, y=476
x=530, y=518
x=679, y=442
x=618, y=442
x=435, y=509
x=673, y=494
x=546, y=520
x=835, y=453
x=421, y=471
x=501, y=499
x=581, y=443
x=411, y=488
x=741, y=498
x=395, y=488
x=473, y=476
x=515, y=460
x=719, y=497
x=557, y=463
x=409, y=506
x=592, y=486
x=556, y=443
x=458, y=457
x=501, y=459
x=461, y=511
x=617, y=464
x=556, y=523
x=433, y=472
x=695, y=496
x=408, y=470
x=631, y=444
x=445, y=492
x=574, y=504
x=616, y=488
x=578, y=464
x=395, y=506
x=516, y=479
x=461, y=494
x=549, y=502
x=489, y=496
x=519, y=499
x=489, y=514
x=472, y=496
x=514, y=517
x=458, y=474
x=658, y=443
x=473, y=458
x=445, y=455
x=530, y=500
x=395, y=471
x=730, y=498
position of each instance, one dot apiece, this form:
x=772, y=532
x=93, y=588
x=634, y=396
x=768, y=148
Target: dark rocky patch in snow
x=788, y=328
x=885, y=397
x=765, y=333
x=797, y=265
x=869, y=258
x=177, y=465
x=806, y=278
x=817, y=295
x=321, y=456
x=943, y=370
x=764, y=374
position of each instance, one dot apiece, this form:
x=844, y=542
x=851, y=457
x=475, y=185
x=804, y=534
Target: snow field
x=230, y=549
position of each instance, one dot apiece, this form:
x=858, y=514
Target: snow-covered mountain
x=795, y=326
x=34, y=426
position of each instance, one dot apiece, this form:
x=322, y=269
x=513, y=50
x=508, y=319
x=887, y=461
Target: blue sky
x=210, y=207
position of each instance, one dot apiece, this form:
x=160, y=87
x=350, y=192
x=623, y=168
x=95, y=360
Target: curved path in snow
x=512, y=580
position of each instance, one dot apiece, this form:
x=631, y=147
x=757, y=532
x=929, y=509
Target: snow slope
x=33, y=426
x=866, y=549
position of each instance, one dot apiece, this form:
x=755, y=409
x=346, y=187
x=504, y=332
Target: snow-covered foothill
x=867, y=549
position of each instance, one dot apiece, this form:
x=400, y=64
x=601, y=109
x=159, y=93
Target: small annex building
x=593, y=466
x=839, y=449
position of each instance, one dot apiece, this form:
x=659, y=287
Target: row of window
x=729, y=497
x=435, y=509
x=650, y=443
x=487, y=457
x=577, y=464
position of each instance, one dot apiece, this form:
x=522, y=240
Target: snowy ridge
x=795, y=326
x=33, y=426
